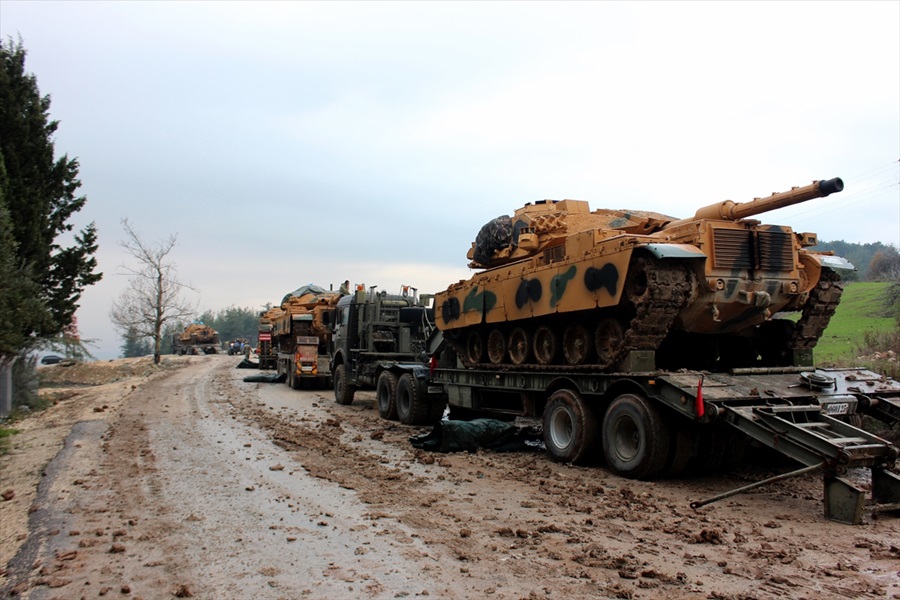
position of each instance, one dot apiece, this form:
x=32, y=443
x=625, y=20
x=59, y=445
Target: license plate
x=837, y=408
x=435, y=389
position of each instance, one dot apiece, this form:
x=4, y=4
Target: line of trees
x=42, y=275
x=874, y=261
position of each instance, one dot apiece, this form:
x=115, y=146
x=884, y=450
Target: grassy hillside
x=862, y=309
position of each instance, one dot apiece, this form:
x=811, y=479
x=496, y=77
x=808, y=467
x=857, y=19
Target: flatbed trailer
x=654, y=423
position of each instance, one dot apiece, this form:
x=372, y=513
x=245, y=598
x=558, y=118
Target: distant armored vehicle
x=196, y=338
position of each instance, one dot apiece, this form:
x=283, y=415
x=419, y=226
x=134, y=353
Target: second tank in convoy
x=564, y=286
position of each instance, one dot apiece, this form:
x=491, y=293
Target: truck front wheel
x=635, y=438
x=386, y=394
x=570, y=427
x=343, y=391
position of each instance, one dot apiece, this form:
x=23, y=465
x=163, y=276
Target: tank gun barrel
x=734, y=211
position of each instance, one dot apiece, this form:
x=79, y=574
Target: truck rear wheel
x=570, y=427
x=386, y=394
x=412, y=405
x=343, y=391
x=635, y=438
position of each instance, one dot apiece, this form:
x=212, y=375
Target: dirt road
x=186, y=481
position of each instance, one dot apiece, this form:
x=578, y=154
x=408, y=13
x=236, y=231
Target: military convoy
x=655, y=342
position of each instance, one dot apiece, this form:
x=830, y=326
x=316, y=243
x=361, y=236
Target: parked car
x=51, y=359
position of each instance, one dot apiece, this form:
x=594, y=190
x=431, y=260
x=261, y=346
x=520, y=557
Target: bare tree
x=154, y=296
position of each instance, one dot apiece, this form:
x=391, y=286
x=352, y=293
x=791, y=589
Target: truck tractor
x=383, y=341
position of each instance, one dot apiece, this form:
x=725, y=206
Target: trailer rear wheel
x=343, y=391
x=570, y=427
x=412, y=405
x=635, y=438
x=386, y=394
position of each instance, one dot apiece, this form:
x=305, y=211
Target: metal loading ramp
x=808, y=415
x=810, y=436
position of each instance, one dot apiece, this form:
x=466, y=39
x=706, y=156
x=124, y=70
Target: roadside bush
x=880, y=351
x=25, y=386
x=5, y=434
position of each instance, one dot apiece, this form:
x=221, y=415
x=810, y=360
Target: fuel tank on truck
x=561, y=286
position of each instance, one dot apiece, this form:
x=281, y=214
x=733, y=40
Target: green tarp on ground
x=267, y=378
x=469, y=436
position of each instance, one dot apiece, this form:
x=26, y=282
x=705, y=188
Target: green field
x=862, y=309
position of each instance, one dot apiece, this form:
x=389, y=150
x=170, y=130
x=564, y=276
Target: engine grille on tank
x=761, y=250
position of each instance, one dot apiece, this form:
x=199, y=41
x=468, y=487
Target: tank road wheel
x=635, y=438
x=519, y=346
x=386, y=394
x=570, y=427
x=608, y=339
x=638, y=282
x=412, y=406
x=546, y=345
x=475, y=347
x=576, y=344
x=496, y=347
x=343, y=391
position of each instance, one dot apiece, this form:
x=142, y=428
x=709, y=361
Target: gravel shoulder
x=185, y=481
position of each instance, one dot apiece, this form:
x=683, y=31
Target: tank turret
x=564, y=286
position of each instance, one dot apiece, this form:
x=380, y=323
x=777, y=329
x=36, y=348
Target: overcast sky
x=295, y=142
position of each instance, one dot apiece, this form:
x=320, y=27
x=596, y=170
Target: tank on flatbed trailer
x=301, y=333
x=382, y=341
x=196, y=338
x=656, y=342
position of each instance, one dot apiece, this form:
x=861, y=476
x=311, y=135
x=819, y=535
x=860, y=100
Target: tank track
x=669, y=288
x=821, y=304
